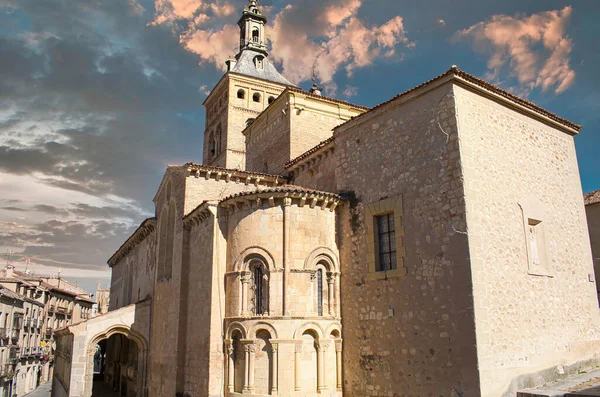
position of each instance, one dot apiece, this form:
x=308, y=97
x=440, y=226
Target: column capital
x=298, y=347
x=338, y=345
x=323, y=345
x=245, y=277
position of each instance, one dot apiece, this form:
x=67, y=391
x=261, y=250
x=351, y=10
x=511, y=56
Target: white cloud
x=535, y=49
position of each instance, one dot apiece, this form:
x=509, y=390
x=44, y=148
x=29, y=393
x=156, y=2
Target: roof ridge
x=454, y=70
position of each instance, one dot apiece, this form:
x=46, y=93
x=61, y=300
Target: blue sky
x=97, y=97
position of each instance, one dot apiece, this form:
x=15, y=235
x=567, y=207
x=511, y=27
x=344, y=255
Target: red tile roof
x=591, y=198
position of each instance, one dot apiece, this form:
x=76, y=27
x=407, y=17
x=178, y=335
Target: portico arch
x=139, y=366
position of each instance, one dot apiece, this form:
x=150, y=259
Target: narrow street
x=42, y=391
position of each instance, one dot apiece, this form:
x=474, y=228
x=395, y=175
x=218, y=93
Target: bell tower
x=252, y=29
x=250, y=85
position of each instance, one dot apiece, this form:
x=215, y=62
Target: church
x=433, y=245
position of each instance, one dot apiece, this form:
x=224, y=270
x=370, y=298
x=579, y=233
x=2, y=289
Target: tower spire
x=252, y=29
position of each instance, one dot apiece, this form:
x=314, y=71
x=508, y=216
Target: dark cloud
x=13, y=209
x=50, y=209
x=69, y=243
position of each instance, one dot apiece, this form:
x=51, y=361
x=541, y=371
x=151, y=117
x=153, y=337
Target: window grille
x=387, y=242
x=258, y=290
x=320, y=292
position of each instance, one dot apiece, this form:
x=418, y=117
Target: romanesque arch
x=324, y=255
x=246, y=256
x=139, y=364
x=262, y=326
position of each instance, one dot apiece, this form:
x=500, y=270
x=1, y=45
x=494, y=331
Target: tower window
x=241, y=94
x=271, y=99
x=255, y=35
x=259, y=63
x=256, y=97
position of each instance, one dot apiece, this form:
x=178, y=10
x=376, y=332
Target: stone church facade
x=434, y=245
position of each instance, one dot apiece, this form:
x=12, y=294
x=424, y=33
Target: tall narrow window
x=258, y=290
x=170, y=238
x=320, y=292
x=387, y=242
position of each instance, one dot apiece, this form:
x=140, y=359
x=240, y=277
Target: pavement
x=100, y=390
x=42, y=391
x=583, y=384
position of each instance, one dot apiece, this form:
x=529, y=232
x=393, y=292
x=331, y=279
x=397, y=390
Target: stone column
x=321, y=381
x=250, y=352
x=330, y=293
x=245, y=278
x=338, y=300
x=287, y=202
x=230, y=367
x=275, y=374
x=338, y=363
x=246, y=367
x=297, y=351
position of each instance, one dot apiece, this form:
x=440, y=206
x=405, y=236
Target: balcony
x=4, y=333
x=49, y=332
x=61, y=310
x=14, y=333
x=51, y=309
x=27, y=322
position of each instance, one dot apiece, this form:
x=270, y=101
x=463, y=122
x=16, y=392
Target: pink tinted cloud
x=325, y=35
x=344, y=42
x=535, y=48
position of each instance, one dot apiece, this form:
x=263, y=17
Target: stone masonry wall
x=593, y=218
x=319, y=174
x=525, y=322
x=268, y=140
x=240, y=110
x=412, y=334
x=132, y=277
x=200, y=309
x=164, y=347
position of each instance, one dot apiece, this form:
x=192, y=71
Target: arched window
x=320, y=292
x=249, y=121
x=255, y=35
x=170, y=242
x=166, y=235
x=271, y=99
x=260, y=288
x=256, y=97
x=241, y=94
x=162, y=246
